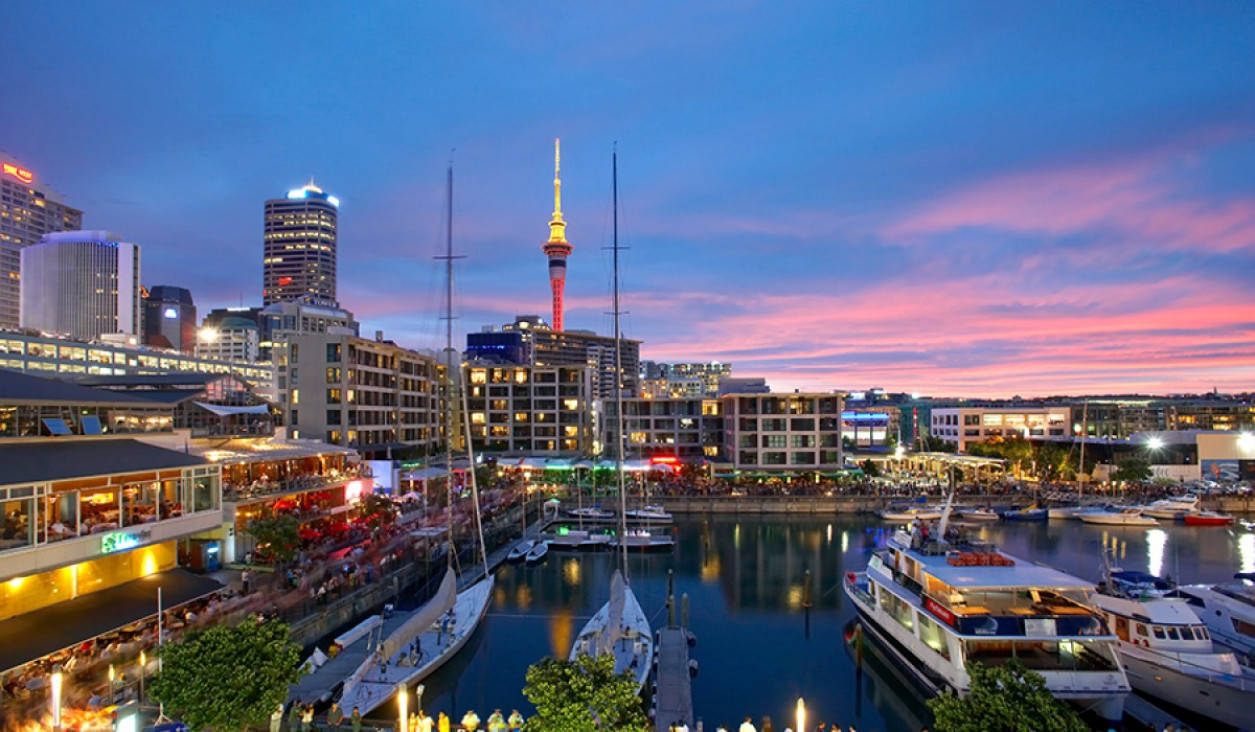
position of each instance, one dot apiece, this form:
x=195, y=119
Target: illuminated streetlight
x=113, y=687
x=143, y=665
x=1155, y=443
x=1246, y=442
x=55, y=700
x=801, y=714
x=403, y=699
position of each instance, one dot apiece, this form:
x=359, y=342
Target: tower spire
x=557, y=248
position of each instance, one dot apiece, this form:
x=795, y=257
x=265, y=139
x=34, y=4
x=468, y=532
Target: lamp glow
x=1155, y=443
x=208, y=335
x=1246, y=442
x=801, y=714
x=402, y=703
x=55, y=699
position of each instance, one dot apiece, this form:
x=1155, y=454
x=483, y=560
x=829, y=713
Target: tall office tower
x=27, y=212
x=557, y=248
x=81, y=284
x=300, y=247
x=169, y=318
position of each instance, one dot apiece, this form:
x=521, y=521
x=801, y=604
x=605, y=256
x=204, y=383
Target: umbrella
x=307, y=534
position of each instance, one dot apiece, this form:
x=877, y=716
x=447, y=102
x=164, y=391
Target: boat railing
x=1243, y=680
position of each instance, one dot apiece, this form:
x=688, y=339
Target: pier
x=673, y=682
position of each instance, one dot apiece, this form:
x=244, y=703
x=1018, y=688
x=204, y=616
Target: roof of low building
x=17, y=387
x=39, y=461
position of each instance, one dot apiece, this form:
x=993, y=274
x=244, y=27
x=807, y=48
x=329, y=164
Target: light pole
x=403, y=699
x=801, y=714
x=55, y=699
x=113, y=687
x=143, y=667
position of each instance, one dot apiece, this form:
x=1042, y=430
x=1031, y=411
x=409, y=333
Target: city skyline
x=976, y=200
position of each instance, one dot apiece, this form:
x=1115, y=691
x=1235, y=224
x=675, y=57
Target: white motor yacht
x=1228, y=609
x=649, y=513
x=907, y=515
x=935, y=606
x=1168, y=654
x=1118, y=517
x=976, y=514
x=1170, y=508
x=591, y=513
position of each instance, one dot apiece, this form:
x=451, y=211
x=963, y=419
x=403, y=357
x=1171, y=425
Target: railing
x=280, y=487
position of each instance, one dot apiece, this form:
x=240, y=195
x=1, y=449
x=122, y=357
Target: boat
x=644, y=540
x=1131, y=516
x=520, y=550
x=908, y=515
x=1168, y=654
x=577, y=540
x=935, y=605
x=436, y=631
x=977, y=514
x=591, y=513
x=1132, y=583
x=1207, y=518
x=620, y=627
x=1170, y=508
x=1062, y=512
x=649, y=513
x=1228, y=609
x=1031, y=513
x=537, y=553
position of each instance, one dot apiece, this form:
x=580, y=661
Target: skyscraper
x=557, y=247
x=81, y=284
x=27, y=212
x=300, y=247
x=169, y=318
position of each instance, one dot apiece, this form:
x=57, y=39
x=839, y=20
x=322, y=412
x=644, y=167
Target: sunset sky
x=980, y=199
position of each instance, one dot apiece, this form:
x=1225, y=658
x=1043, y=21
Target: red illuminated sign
x=285, y=281
x=21, y=174
x=665, y=459
x=939, y=610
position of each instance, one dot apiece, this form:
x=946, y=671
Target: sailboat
x=436, y=631
x=620, y=627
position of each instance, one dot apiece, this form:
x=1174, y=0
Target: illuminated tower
x=557, y=248
x=299, y=238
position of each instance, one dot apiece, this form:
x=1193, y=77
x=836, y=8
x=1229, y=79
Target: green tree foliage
x=1007, y=698
x=278, y=536
x=228, y=678
x=378, y=509
x=1133, y=468
x=583, y=696
x=870, y=468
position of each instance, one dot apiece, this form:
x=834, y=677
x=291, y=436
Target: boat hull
x=1227, y=704
x=635, y=652
x=1201, y=520
x=1118, y=520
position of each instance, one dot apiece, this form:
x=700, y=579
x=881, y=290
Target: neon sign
x=118, y=541
x=21, y=174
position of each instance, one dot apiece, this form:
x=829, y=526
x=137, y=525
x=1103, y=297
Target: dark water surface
x=744, y=578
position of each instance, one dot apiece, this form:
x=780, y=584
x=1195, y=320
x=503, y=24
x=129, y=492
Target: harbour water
x=758, y=647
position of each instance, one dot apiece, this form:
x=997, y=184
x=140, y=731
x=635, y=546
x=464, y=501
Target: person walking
x=294, y=717
x=307, y=717
x=470, y=720
x=276, y=719
x=516, y=721
x=747, y=726
x=246, y=581
x=424, y=722
x=442, y=722
x=496, y=722
x=355, y=721
x=335, y=716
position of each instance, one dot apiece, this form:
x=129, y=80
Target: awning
x=224, y=411
x=47, y=630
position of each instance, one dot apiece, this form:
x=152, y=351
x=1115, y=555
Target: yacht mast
x=618, y=377
x=449, y=431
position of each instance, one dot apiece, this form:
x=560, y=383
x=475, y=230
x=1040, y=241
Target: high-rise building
x=27, y=212
x=169, y=318
x=300, y=247
x=80, y=284
x=557, y=248
x=540, y=345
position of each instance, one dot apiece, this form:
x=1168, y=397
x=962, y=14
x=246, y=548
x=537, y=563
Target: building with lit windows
x=81, y=284
x=687, y=429
x=231, y=339
x=531, y=410
x=683, y=379
x=966, y=425
x=299, y=256
x=169, y=318
x=28, y=210
x=371, y=395
x=798, y=432
x=539, y=345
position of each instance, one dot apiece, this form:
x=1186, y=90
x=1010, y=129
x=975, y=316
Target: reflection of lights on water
x=845, y=541
x=1156, y=543
x=571, y=571
x=711, y=569
x=560, y=627
x=736, y=536
x=829, y=533
x=523, y=597
x=1246, y=552
x=795, y=597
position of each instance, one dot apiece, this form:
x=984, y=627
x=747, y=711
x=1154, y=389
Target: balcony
x=259, y=490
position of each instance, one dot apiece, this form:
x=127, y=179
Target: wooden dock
x=673, y=680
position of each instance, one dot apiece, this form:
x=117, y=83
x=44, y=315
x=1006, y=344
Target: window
x=333, y=416
x=333, y=396
x=333, y=375
x=333, y=353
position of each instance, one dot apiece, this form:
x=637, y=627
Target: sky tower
x=557, y=247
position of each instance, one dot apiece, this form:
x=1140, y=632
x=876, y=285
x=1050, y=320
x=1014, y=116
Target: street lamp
x=801, y=714
x=402, y=703
x=113, y=687
x=55, y=699
x=143, y=667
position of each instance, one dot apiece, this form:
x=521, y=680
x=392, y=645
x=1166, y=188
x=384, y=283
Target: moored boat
x=591, y=513
x=1170, y=508
x=1207, y=518
x=908, y=515
x=976, y=514
x=520, y=550
x=936, y=606
x=1120, y=517
x=1032, y=513
x=1228, y=609
x=537, y=553
x=649, y=513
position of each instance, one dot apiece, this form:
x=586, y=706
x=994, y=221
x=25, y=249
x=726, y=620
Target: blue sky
x=948, y=198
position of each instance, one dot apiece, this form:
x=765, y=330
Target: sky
x=949, y=198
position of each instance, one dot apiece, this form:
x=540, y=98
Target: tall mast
x=618, y=375
x=448, y=357
x=1080, y=471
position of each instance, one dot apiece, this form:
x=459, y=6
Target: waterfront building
x=299, y=246
x=28, y=210
x=1121, y=417
x=776, y=433
x=865, y=427
x=80, y=284
x=539, y=345
x=169, y=318
x=530, y=410
x=91, y=511
x=40, y=354
x=687, y=430
x=743, y=385
x=683, y=379
x=966, y=425
x=372, y=395
x=232, y=338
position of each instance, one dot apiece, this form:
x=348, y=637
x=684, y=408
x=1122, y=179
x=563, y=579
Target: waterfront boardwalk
x=674, y=684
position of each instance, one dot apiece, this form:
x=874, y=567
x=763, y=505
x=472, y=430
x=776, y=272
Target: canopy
x=225, y=411
x=422, y=618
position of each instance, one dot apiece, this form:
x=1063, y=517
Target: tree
x=377, y=509
x=870, y=468
x=1133, y=468
x=278, y=536
x=228, y=678
x=582, y=696
x=1008, y=697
